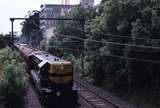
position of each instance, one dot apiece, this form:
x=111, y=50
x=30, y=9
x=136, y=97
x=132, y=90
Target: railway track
x=93, y=98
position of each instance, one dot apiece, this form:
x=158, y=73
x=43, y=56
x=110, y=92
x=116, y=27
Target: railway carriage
x=51, y=76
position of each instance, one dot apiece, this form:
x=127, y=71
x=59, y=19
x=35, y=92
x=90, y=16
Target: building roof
x=56, y=5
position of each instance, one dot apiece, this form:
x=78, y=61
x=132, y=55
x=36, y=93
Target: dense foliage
x=135, y=19
x=12, y=79
x=5, y=40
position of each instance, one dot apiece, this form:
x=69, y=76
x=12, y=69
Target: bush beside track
x=12, y=79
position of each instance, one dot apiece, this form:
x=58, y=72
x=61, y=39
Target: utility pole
x=12, y=31
x=82, y=36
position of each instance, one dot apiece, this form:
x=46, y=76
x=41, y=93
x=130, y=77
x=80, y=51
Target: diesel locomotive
x=52, y=77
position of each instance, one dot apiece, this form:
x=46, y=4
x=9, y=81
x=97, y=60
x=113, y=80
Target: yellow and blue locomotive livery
x=51, y=76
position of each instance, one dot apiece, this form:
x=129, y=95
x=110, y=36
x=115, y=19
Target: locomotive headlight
x=47, y=90
x=74, y=88
x=58, y=93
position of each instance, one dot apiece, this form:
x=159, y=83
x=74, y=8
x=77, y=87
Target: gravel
x=104, y=94
x=31, y=99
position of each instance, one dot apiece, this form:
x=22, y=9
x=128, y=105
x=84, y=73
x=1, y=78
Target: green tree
x=133, y=18
x=55, y=47
x=31, y=32
x=145, y=26
x=73, y=28
x=111, y=19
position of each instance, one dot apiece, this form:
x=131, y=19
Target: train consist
x=52, y=77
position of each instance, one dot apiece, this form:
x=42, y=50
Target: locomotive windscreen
x=61, y=73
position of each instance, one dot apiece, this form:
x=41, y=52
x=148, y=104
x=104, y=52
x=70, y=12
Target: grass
x=3, y=51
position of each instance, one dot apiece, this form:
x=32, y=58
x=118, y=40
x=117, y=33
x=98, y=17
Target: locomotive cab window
x=34, y=63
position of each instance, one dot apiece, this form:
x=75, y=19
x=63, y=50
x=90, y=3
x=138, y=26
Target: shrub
x=12, y=84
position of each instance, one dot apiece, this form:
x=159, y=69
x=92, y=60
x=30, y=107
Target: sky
x=19, y=8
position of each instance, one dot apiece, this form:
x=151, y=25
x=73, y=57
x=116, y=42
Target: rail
x=86, y=89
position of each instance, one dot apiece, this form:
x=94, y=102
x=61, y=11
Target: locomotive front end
x=61, y=78
x=61, y=72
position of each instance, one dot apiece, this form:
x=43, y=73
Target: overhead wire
x=114, y=35
x=115, y=43
x=108, y=42
x=108, y=34
x=132, y=58
x=120, y=57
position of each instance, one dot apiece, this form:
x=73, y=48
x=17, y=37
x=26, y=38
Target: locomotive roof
x=44, y=56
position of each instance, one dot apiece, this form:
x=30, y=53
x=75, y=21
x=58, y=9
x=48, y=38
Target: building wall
x=49, y=33
x=86, y=3
x=51, y=11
